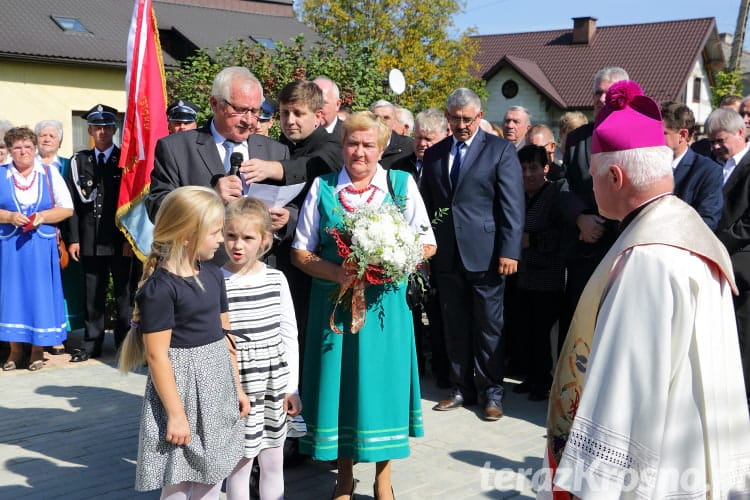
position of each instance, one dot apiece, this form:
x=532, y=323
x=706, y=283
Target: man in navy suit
x=697, y=180
x=726, y=131
x=476, y=178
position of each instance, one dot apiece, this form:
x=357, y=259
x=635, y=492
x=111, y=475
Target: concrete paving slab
x=70, y=431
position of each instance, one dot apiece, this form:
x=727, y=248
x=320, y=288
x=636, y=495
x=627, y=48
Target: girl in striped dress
x=264, y=327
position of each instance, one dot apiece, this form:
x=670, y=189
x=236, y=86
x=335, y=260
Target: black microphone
x=234, y=164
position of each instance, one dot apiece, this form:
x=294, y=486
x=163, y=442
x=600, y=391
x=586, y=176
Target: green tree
x=727, y=83
x=411, y=35
x=353, y=68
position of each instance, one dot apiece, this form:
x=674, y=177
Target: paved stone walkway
x=70, y=431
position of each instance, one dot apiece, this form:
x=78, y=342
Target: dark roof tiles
x=30, y=33
x=659, y=56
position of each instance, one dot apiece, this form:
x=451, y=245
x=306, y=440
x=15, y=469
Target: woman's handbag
x=419, y=289
x=61, y=248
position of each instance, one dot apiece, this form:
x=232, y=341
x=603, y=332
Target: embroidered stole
x=666, y=221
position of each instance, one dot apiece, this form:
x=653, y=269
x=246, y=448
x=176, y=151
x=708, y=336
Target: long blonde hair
x=184, y=219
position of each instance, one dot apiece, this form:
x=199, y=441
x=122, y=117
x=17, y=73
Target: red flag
x=145, y=123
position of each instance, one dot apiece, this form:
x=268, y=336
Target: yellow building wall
x=31, y=92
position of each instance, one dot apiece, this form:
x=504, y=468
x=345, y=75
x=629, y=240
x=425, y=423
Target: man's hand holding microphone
x=230, y=186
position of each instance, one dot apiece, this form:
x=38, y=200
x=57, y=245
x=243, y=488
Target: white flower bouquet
x=378, y=247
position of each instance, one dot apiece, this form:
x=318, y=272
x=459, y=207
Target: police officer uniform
x=182, y=111
x=94, y=182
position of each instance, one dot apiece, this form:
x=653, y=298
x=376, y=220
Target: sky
x=490, y=17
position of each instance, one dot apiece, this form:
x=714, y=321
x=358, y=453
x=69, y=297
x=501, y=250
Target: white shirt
x=676, y=161
x=415, y=213
x=38, y=176
x=55, y=161
x=240, y=147
x=332, y=125
x=107, y=153
x=732, y=162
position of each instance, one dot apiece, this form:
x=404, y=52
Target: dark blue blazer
x=699, y=182
x=485, y=216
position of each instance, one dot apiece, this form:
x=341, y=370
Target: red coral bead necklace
x=353, y=190
x=24, y=188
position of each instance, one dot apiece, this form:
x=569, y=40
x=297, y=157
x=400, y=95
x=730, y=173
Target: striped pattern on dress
x=255, y=317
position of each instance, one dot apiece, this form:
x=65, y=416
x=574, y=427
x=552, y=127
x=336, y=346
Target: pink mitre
x=628, y=120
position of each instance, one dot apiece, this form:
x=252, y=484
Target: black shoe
x=79, y=355
x=493, y=410
x=454, y=402
x=522, y=388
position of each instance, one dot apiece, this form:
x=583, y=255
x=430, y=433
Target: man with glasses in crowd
x=477, y=178
x=201, y=157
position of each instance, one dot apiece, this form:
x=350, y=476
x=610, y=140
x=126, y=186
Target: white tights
x=189, y=490
x=271, y=461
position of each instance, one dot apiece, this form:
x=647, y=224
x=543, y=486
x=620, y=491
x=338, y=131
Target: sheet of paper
x=274, y=196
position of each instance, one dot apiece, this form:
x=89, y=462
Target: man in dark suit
x=726, y=131
x=94, y=182
x=399, y=146
x=316, y=151
x=735, y=103
x=331, y=105
x=430, y=127
x=476, y=179
x=313, y=152
x=586, y=247
x=697, y=180
x=200, y=157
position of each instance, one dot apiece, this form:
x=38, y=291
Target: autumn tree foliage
x=354, y=68
x=416, y=36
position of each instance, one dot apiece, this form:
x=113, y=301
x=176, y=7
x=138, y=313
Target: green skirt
x=360, y=392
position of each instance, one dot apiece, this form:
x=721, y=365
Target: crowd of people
x=614, y=249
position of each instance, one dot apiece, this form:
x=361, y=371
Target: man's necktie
x=229, y=147
x=100, y=166
x=456, y=168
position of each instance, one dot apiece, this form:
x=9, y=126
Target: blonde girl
x=261, y=314
x=191, y=425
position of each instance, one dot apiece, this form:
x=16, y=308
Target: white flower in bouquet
x=381, y=237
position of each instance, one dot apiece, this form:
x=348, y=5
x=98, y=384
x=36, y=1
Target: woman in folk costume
x=648, y=396
x=360, y=391
x=33, y=199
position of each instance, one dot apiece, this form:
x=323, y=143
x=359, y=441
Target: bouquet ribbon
x=359, y=307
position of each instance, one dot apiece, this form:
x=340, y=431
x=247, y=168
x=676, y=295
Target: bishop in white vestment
x=648, y=397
